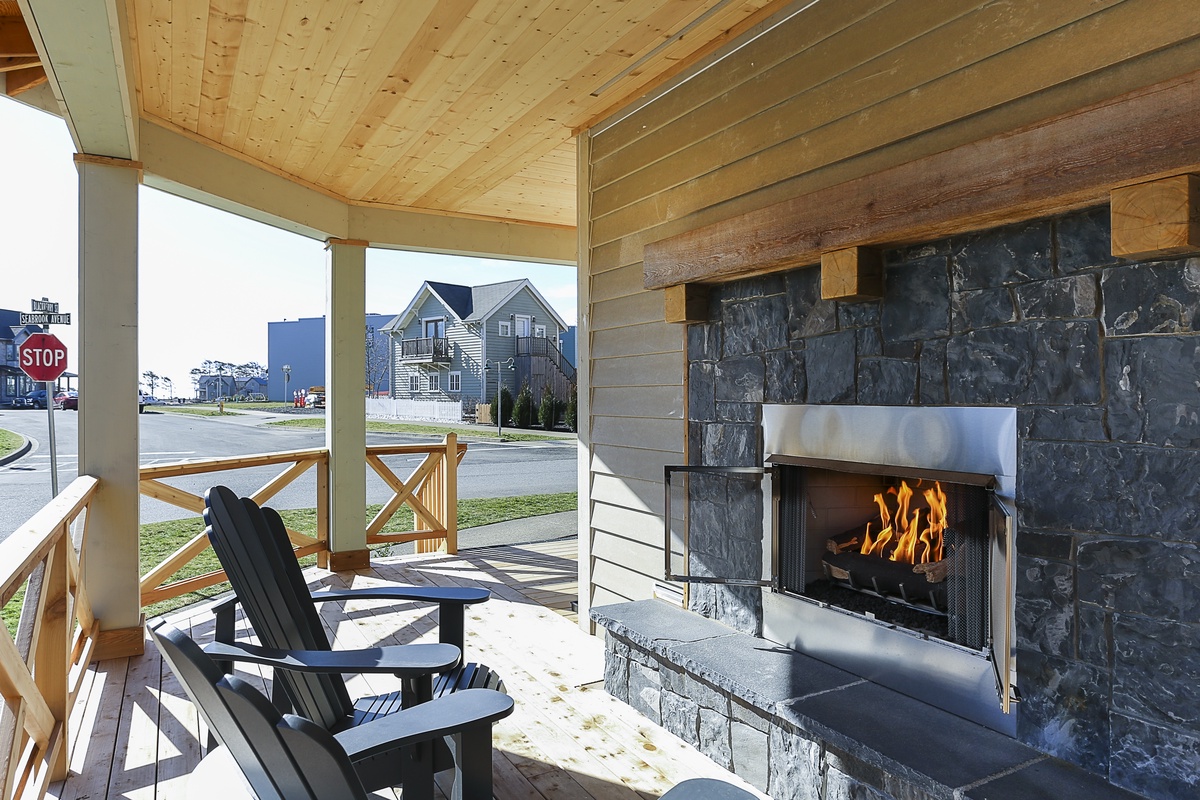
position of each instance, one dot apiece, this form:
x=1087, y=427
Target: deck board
x=567, y=740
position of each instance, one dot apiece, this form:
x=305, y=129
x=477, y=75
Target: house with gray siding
x=453, y=340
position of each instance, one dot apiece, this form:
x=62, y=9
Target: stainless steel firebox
x=966, y=666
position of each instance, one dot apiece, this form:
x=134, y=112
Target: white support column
x=108, y=410
x=583, y=373
x=345, y=406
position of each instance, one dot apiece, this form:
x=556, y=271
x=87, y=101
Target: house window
x=435, y=382
x=434, y=328
x=505, y=328
x=455, y=383
x=414, y=383
x=539, y=331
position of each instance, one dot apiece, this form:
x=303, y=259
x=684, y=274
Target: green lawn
x=199, y=411
x=473, y=431
x=160, y=539
x=9, y=442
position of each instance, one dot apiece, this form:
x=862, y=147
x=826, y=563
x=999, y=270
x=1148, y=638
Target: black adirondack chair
x=253, y=547
x=286, y=757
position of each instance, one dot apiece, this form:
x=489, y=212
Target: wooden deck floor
x=138, y=736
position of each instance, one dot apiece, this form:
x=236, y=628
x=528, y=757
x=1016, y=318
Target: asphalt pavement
x=490, y=468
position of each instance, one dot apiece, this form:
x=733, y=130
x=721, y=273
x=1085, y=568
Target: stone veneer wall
x=1102, y=359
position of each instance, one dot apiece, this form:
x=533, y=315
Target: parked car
x=68, y=401
x=36, y=399
x=151, y=400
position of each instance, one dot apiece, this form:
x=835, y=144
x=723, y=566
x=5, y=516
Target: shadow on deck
x=139, y=737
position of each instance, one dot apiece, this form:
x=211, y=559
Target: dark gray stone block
x=795, y=770
x=904, y=350
x=1064, y=709
x=869, y=342
x=982, y=308
x=1140, y=576
x=754, y=326
x=714, y=737
x=740, y=380
x=1064, y=424
x=732, y=445
x=1002, y=257
x=1159, y=762
x=681, y=717
x=750, y=715
x=758, y=286
x=1045, y=612
x=616, y=676
x=739, y=412
x=1095, y=636
x=645, y=694
x=749, y=751
x=654, y=625
x=1041, y=544
x=918, y=744
x=704, y=341
x=858, y=315
x=1047, y=779
x=695, y=437
x=1156, y=670
x=1161, y=297
x=917, y=252
x=1123, y=490
x=1083, y=240
x=933, y=389
x=1154, y=389
x=785, y=378
x=916, y=300
x=829, y=368
x=1075, y=297
x=809, y=315
x=702, y=387
x=1041, y=363
x=887, y=382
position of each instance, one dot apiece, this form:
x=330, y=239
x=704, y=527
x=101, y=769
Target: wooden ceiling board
x=451, y=106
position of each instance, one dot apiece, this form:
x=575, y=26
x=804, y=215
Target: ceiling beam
x=82, y=47
x=18, y=62
x=19, y=81
x=15, y=41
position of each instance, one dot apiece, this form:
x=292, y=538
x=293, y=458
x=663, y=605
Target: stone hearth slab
x=869, y=734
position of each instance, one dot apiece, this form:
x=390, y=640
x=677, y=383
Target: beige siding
x=839, y=91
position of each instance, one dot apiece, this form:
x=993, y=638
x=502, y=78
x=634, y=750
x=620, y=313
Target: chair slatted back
x=270, y=586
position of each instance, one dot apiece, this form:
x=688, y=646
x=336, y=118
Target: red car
x=68, y=401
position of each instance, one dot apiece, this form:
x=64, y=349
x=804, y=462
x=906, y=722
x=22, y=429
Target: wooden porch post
x=345, y=407
x=108, y=414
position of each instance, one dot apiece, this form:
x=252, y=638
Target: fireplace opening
x=909, y=551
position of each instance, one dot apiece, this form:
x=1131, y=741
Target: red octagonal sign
x=43, y=357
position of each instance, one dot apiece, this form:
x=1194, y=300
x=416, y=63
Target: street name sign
x=45, y=319
x=43, y=305
x=43, y=357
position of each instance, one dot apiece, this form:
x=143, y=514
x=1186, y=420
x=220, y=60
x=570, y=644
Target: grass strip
x=197, y=411
x=9, y=442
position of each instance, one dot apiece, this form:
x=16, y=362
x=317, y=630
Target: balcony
x=433, y=350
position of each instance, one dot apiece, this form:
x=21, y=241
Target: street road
x=489, y=469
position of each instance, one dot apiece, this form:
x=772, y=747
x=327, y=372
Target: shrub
x=571, y=412
x=505, y=397
x=548, y=409
x=522, y=410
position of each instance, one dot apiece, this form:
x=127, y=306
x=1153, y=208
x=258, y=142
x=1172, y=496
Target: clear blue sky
x=210, y=281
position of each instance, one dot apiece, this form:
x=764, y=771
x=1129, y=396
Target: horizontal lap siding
x=839, y=91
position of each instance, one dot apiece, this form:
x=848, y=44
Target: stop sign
x=43, y=357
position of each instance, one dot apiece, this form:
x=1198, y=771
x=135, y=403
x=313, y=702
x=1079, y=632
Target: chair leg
x=417, y=772
x=472, y=748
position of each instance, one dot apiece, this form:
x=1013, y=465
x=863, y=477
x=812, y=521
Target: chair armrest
x=441, y=717
x=451, y=602
x=404, y=661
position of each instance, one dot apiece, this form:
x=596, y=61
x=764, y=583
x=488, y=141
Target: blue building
x=300, y=344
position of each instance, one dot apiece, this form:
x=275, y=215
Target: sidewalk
x=544, y=528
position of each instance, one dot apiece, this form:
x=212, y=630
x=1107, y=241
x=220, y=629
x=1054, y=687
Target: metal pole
x=53, y=443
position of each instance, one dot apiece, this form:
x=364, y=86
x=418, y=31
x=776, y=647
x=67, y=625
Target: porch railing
x=43, y=664
x=430, y=490
x=434, y=349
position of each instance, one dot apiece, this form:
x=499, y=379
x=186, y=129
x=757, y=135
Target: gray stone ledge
x=931, y=751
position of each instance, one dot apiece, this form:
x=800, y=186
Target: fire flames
x=907, y=535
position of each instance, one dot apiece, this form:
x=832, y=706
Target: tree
x=151, y=379
x=378, y=355
x=169, y=385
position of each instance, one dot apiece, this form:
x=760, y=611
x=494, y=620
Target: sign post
x=44, y=358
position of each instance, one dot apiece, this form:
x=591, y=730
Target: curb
x=19, y=452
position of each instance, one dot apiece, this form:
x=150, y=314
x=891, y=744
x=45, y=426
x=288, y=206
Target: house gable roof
x=469, y=303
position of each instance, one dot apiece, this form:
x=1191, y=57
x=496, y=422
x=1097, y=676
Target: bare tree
x=151, y=379
x=378, y=352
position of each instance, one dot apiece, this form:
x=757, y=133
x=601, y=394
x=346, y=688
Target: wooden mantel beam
x=1066, y=162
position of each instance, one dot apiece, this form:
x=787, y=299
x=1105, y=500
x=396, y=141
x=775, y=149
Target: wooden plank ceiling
x=466, y=107
x=19, y=61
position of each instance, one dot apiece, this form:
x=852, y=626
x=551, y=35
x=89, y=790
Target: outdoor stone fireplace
x=1098, y=359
